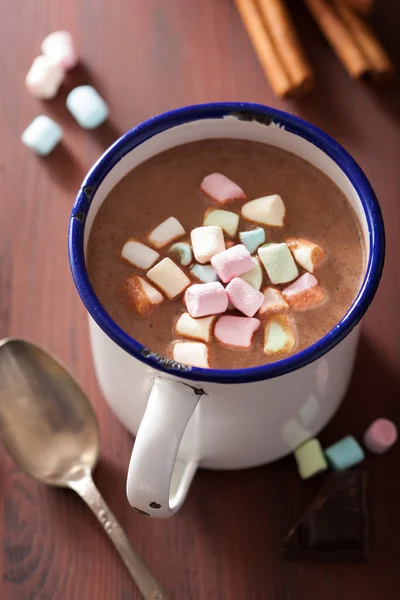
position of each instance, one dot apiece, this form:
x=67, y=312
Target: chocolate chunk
x=335, y=525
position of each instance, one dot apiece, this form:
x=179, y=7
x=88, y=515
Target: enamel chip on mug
x=141, y=294
x=199, y=329
x=310, y=459
x=278, y=262
x=42, y=135
x=279, y=335
x=255, y=276
x=182, y=252
x=59, y=46
x=138, y=254
x=307, y=254
x=169, y=277
x=87, y=106
x=273, y=302
x=380, y=436
x=221, y=189
x=346, y=453
x=204, y=299
x=268, y=210
x=194, y=354
x=252, y=238
x=204, y=273
x=232, y=262
x=166, y=232
x=44, y=78
x=236, y=331
x=207, y=241
x=304, y=293
x=244, y=296
x=227, y=220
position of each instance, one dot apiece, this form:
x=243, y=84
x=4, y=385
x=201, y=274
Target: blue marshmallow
x=87, y=106
x=252, y=239
x=42, y=135
x=205, y=273
x=344, y=454
x=183, y=252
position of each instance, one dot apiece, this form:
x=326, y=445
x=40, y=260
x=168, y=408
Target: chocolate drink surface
x=168, y=185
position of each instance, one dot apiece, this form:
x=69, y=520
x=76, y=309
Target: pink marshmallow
x=221, y=189
x=380, y=436
x=204, y=299
x=304, y=293
x=304, y=282
x=232, y=262
x=59, y=46
x=236, y=331
x=244, y=296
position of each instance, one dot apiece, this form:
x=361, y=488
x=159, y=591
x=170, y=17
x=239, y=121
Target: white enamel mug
x=185, y=417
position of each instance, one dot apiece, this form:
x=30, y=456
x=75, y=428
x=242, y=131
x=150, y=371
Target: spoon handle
x=144, y=580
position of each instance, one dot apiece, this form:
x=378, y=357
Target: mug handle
x=158, y=479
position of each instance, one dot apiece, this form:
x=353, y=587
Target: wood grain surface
x=147, y=56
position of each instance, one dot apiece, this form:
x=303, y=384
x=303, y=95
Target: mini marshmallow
x=236, y=331
x=59, y=47
x=207, y=241
x=182, y=252
x=169, y=277
x=253, y=238
x=205, y=273
x=227, y=220
x=199, y=329
x=163, y=234
x=273, y=302
x=87, y=106
x=44, y=78
x=194, y=354
x=255, y=276
x=278, y=263
x=307, y=254
x=42, y=135
x=310, y=459
x=138, y=254
x=204, y=299
x=232, y=262
x=346, y=453
x=141, y=294
x=380, y=436
x=221, y=189
x=304, y=293
x=268, y=210
x=244, y=296
x=279, y=335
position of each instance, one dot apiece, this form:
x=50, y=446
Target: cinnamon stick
x=381, y=66
x=279, y=24
x=340, y=38
x=264, y=48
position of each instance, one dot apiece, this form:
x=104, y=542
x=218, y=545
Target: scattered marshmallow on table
x=227, y=220
x=380, y=436
x=244, y=296
x=204, y=299
x=273, y=301
x=346, y=453
x=278, y=263
x=252, y=238
x=279, y=335
x=59, y=46
x=42, y=135
x=236, y=331
x=182, y=252
x=269, y=210
x=169, y=277
x=207, y=241
x=194, y=354
x=141, y=294
x=304, y=293
x=205, y=273
x=307, y=254
x=255, y=276
x=139, y=254
x=199, y=329
x=44, y=78
x=221, y=189
x=232, y=262
x=87, y=106
x=166, y=232
x=310, y=459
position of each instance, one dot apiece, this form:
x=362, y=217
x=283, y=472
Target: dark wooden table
x=147, y=56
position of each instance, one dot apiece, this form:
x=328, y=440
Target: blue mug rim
x=246, y=111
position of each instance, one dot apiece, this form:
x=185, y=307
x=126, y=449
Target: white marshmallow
x=168, y=230
x=44, y=78
x=278, y=263
x=206, y=242
x=153, y=295
x=141, y=294
x=268, y=210
x=273, y=301
x=279, y=335
x=59, y=46
x=255, y=276
x=194, y=354
x=169, y=277
x=199, y=329
x=227, y=220
x=307, y=254
x=138, y=254
x=204, y=273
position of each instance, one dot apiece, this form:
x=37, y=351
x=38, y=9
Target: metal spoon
x=50, y=429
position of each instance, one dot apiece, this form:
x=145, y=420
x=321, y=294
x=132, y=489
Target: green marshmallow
x=182, y=252
x=310, y=459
